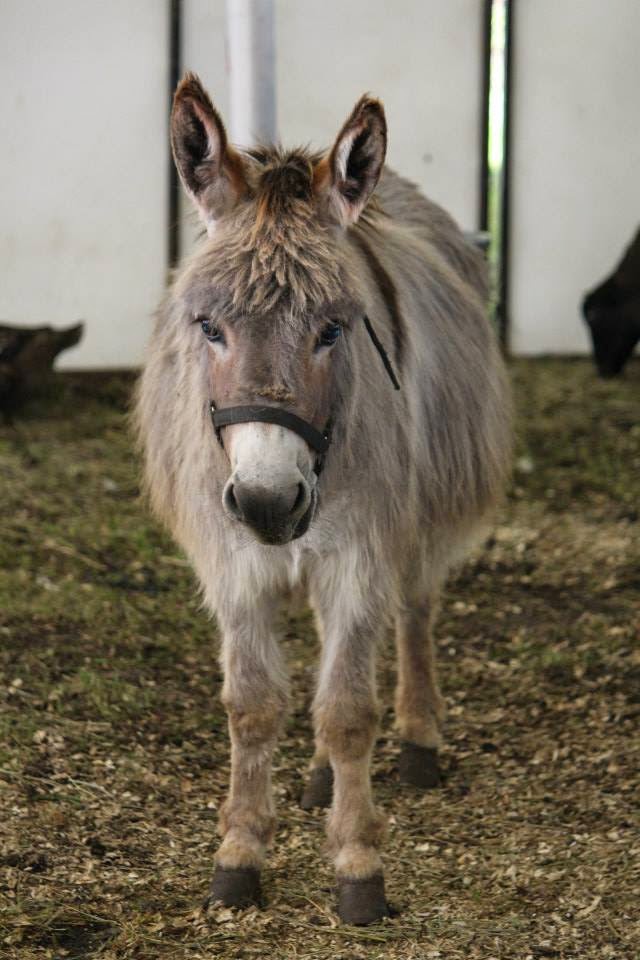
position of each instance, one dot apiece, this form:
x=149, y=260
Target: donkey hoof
x=419, y=766
x=361, y=902
x=319, y=790
x=236, y=887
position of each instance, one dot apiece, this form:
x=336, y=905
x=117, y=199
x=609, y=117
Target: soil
x=113, y=742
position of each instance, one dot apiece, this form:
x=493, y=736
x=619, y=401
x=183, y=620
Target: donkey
x=281, y=454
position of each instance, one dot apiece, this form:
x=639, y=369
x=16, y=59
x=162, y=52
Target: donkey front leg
x=419, y=704
x=346, y=720
x=255, y=696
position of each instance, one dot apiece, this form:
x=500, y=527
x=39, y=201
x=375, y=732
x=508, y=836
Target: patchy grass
x=113, y=746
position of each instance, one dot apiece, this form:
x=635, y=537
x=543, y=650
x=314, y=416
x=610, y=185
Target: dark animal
x=323, y=279
x=26, y=359
x=612, y=313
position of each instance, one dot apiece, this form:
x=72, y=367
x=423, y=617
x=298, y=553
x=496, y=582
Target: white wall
x=204, y=51
x=83, y=170
x=83, y=195
x=421, y=57
x=576, y=159
x=83, y=108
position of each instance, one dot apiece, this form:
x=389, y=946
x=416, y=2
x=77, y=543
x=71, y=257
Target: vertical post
x=483, y=213
x=175, y=67
x=252, y=71
x=505, y=226
x=496, y=152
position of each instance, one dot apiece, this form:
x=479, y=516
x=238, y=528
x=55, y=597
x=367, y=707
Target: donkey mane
x=271, y=251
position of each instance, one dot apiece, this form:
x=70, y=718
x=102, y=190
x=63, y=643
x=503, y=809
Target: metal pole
x=175, y=66
x=505, y=225
x=483, y=219
x=252, y=71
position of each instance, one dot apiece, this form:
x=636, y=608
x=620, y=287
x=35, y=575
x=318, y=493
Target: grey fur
x=411, y=478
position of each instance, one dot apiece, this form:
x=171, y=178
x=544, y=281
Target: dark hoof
x=361, y=902
x=419, y=766
x=319, y=790
x=236, y=887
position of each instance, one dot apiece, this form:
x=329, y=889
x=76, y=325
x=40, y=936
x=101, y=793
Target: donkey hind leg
x=346, y=719
x=318, y=791
x=419, y=705
x=255, y=696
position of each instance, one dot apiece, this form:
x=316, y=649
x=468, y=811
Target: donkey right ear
x=212, y=171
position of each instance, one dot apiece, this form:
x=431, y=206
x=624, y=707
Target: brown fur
x=297, y=240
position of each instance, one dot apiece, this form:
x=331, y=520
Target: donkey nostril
x=230, y=502
x=300, y=498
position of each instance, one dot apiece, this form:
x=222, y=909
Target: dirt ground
x=113, y=744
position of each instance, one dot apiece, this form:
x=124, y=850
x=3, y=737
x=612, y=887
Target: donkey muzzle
x=275, y=516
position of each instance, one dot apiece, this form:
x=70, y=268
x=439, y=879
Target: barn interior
x=517, y=117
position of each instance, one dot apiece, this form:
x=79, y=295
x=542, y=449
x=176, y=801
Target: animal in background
x=612, y=313
x=27, y=355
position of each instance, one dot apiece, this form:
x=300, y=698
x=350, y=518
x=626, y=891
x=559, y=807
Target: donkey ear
x=211, y=170
x=352, y=169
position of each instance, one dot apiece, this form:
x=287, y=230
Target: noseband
x=259, y=413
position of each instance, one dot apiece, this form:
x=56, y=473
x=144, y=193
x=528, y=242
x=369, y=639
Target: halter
x=261, y=413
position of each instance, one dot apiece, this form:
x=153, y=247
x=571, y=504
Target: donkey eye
x=329, y=335
x=211, y=331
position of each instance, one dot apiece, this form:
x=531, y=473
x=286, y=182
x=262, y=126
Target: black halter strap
x=262, y=413
x=252, y=413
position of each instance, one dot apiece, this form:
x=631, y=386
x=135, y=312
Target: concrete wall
x=204, y=51
x=422, y=57
x=83, y=101
x=83, y=197
x=576, y=161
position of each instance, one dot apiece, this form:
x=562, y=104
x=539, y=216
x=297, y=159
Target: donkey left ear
x=349, y=174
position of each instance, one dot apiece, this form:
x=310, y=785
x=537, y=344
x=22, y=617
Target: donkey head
x=268, y=303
